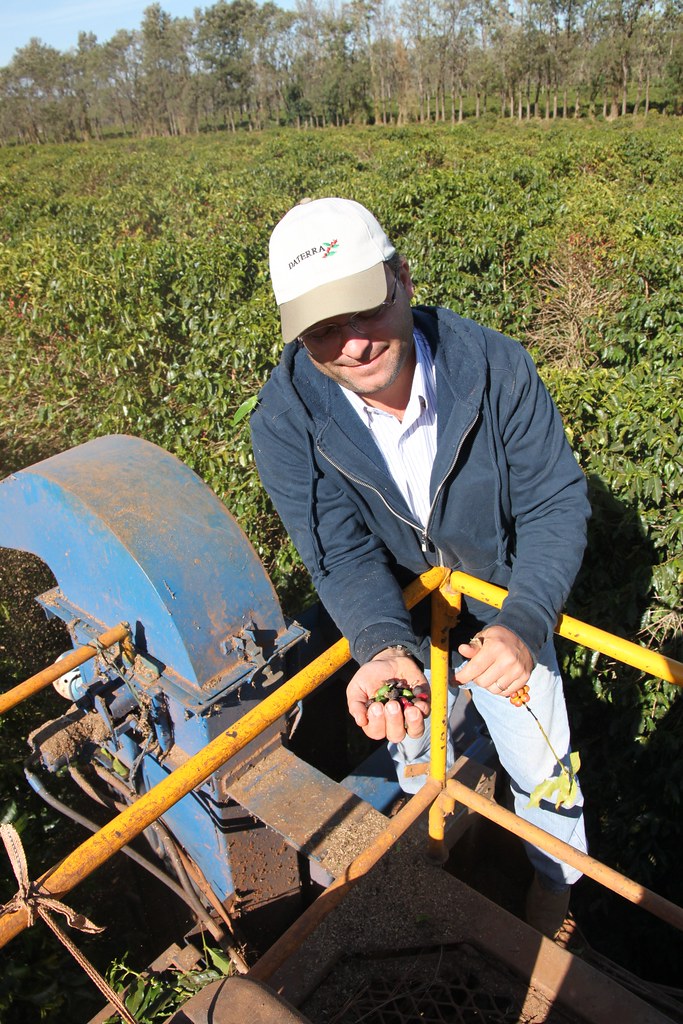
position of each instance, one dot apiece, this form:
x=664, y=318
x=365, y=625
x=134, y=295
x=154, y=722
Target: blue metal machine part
x=132, y=534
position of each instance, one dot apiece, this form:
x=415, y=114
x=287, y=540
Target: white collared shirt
x=409, y=446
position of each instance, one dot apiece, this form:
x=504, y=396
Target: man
x=393, y=438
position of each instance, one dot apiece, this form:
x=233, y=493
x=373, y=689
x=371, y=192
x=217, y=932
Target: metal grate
x=453, y=985
x=455, y=1001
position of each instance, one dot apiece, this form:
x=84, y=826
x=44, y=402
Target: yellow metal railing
x=439, y=795
x=581, y=633
x=449, y=597
x=73, y=659
x=437, y=792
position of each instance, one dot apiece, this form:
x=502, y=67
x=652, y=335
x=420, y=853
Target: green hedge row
x=134, y=297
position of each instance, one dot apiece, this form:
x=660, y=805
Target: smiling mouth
x=364, y=362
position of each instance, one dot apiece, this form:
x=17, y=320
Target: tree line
x=243, y=64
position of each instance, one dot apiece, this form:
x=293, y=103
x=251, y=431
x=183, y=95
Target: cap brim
x=348, y=295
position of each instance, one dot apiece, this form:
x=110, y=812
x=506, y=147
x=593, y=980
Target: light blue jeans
x=525, y=756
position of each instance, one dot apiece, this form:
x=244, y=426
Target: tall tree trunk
x=636, y=102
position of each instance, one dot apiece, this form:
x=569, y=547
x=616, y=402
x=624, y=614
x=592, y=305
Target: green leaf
x=563, y=787
x=244, y=410
x=220, y=961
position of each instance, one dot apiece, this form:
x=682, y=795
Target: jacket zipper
x=456, y=455
x=421, y=530
x=364, y=483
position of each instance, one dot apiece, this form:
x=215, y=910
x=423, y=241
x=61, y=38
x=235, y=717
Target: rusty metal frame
x=449, y=587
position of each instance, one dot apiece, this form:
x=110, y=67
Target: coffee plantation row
x=135, y=298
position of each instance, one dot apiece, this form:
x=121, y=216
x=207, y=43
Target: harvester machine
x=201, y=717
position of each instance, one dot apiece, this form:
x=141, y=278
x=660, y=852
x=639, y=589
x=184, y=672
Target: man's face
x=371, y=363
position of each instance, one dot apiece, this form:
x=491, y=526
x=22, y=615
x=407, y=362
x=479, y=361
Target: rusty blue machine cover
x=132, y=534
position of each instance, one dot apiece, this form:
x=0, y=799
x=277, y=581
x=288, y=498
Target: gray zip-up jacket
x=508, y=499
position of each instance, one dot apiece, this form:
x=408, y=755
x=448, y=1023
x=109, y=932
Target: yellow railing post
x=445, y=611
x=611, y=879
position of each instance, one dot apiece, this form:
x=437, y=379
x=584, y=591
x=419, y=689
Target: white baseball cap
x=326, y=258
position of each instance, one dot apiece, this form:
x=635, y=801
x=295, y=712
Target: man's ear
x=405, y=278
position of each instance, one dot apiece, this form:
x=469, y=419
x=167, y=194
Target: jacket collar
x=461, y=368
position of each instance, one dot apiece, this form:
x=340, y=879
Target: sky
x=58, y=24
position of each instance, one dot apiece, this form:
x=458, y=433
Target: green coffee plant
x=153, y=996
x=134, y=297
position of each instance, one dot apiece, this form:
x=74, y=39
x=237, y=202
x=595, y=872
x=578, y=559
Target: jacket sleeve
x=549, y=506
x=350, y=567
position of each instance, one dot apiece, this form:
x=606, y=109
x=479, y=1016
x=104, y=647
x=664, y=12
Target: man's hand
x=497, y=661
x=390, y=721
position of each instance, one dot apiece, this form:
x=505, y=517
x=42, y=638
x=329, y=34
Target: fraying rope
x=41, y=904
